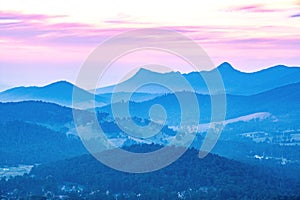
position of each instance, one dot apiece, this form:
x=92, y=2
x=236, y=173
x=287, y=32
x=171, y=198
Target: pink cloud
x=257, y=8
x=126, y=22
x=125, y=19
x=22, y=16
x=42, y=32
x=36, y=29
x=34, y=37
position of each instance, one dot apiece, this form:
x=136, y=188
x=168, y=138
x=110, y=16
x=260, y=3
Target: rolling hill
x=59, y=92
x=282, y=102
x=36, y=132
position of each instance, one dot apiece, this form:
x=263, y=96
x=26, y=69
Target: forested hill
x=213, y=177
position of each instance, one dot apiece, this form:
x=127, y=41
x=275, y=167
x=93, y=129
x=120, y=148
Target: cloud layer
x=250, y=36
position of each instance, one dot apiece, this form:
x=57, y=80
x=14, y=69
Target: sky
x=46, y=41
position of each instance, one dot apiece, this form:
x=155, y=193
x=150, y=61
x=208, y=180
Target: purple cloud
x=21, y=16
x=295, y=15
x=36, y=29
x=20, y=32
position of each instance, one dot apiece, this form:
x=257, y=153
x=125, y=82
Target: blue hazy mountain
x=28, y=143
x=236, y=82
x=282, y=101
x=241, y=83
x=36, y=132
x=261, y=129
x=58, y=92
x=61, y=93
x=28, y=129
x=36, y=112
x=136, y=96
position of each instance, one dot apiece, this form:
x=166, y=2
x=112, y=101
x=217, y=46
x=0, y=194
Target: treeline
x=26, y=143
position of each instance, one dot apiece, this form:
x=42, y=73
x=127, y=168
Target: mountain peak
x=226, y=66
x=144, y=71
x=60, y=84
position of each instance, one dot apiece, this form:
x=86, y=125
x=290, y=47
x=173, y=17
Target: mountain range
x=235, y=82
x=261, y=136
x=277, y=101
x=59, y=92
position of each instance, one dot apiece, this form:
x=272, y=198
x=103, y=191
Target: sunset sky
x=45, y=41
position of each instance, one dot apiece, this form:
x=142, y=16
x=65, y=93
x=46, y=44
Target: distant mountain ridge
x=235, y=82
x=59, y=92
x=277, y=101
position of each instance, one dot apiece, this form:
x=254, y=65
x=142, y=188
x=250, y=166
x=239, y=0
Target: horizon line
x=153, y=71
